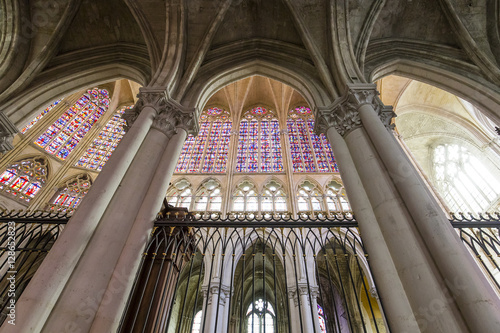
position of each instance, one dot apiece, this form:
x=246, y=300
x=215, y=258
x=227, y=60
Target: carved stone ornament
x=7, y=131
x=173, y=117
x=152, y=97
x=344, y=115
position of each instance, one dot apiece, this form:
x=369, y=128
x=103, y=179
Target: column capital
x=148, y=97
x=7, y=131
x=173, y=117
x=343, y=113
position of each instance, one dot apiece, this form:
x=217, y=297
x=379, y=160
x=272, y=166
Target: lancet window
x=336, y=198
x=245, y=198
x=67, y=131
x=40, y=116
x=310, y=152
x=71, y=193
x=209, y=197
x=321, y=319
x=259, y=144
x=309, y=197
x=25, y=178
x=180, y=194
x=207, y=153
x=260, y=317
x=197, y=322
x=103, y=146
x=466, y=184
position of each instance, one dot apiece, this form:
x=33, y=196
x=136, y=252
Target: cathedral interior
x=254, y=166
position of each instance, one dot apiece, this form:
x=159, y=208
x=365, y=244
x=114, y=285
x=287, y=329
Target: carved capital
x=373, y=292
x=344, y=116
x=7, y=131
x=155, y=98
x=173, y=117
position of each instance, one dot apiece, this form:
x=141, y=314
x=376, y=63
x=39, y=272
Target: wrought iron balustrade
x=25, y=239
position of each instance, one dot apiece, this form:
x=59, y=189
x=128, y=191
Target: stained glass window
x=309, y=197
x=103, y=146
x=207, y=153
x=321, y=318
x=259, y=144
x=310, y=152
x=180, y=194
x=67, y=131
x=71, y=193
x=465, y=184
x=260, y=317
x=336, y=198
x=25, y=178
x=209, y=197
x=40, y=116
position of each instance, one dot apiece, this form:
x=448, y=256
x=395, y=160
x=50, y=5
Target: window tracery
x=310, y=152
x=180, y=194
x=309, y=197
x=245, y=198
x=466, y=184
x=25, y=178
x=259, y=143
x=105, y=143
x=71, y=193
x=336, y=198
x=208, y=152
x=209, y=197
x=67, y=131
x=260, y=317
x=273, y=198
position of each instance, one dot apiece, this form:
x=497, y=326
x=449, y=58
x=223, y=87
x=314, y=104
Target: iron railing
x=224, y=266
x=25, y=239
x=181, y=266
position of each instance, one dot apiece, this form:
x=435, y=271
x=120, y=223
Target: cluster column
x=424, y=274
x=112, y=221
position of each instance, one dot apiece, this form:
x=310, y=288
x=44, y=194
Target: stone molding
x=148, y=97
x=7, y=131
x=344, y=116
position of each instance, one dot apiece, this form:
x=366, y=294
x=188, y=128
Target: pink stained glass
x=265, y=147
x=241, y=156
x=253, y=149
x=303, y=110
x=103, y=146
x=214, y=111
x=66, y=132
x=7, y=176
x=199, y=147
x=276, y=146
x=186, y=152
x=40, y=116
x=222, y=151
x=211, y=147
x=321, y=318
x=258, y=111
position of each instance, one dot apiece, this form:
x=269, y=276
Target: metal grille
x=25, y=240
x=223, y=266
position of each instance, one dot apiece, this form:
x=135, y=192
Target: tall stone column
x=134, y=201
x=175, y=123
x=42, y=293
x=426, y=290
x=466, y=283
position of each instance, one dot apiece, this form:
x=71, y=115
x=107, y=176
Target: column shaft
x=85, y=289
x=419, y=276
x=478, y=303
x=394, y=300
x=41, y=294
x=109, y=314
